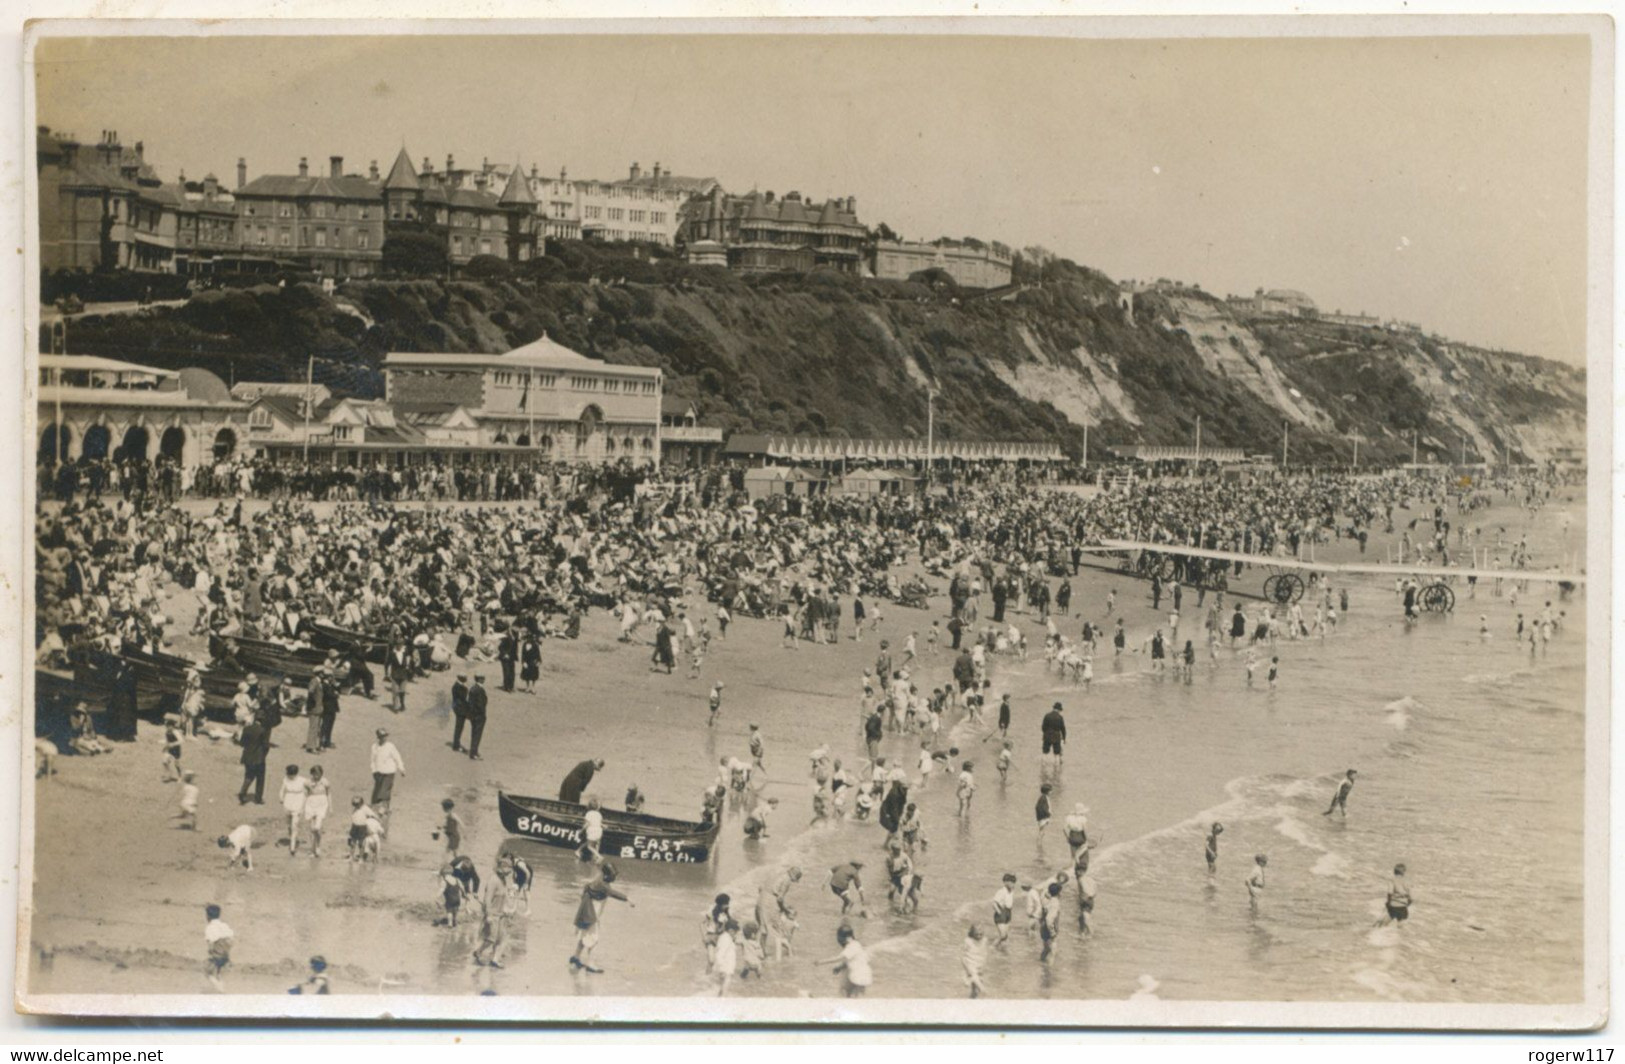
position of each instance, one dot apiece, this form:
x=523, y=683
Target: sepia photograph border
x=1590, y=1013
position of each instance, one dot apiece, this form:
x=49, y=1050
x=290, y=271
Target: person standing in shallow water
x=1341, y=797
x=852, y=963
x=1255, y=882
x=1398, y=902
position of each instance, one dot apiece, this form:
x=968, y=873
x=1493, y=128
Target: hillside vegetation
x=824, y=353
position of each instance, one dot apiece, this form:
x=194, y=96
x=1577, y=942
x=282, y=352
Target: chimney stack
x=304, y=167
x=564, y=175
x=451, y=164
x=428, y=167
x=372, y=170
x=211, y=186
x=140, y=151
x=335, y=166
x=636, y=170
x=242, y=171
x=657, y=173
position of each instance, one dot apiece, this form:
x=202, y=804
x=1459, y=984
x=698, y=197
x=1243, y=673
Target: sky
x=1438, y=180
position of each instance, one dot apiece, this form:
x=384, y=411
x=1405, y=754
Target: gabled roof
x=672, y=406
x=541, y=354
x=290, y=186
x=286, y=407
x=517, y=190
x=401, y=175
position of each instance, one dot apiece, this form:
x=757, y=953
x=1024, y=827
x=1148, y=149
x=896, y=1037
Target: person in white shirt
x=386, y=765
x=1004, y=908
x=594, y=828
x=852, y=962
x=218, y=937
x=239, y=841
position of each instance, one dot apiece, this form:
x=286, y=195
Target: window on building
x=262, y=237
x=321, y=238
x=259, y=419
x=616, y=214
x=612, y=386
x=457, y=245
x=248, y=211
x=658, y=217
x=321, y=210
x=485, y=247
x=341, y=432
x=285, y=238
x=284, y=211
x=366, y=212
x=361, y=239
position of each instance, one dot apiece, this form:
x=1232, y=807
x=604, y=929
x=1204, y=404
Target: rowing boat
x=370, y=648
x=633, y=836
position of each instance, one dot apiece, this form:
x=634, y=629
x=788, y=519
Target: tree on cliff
x=413, y=251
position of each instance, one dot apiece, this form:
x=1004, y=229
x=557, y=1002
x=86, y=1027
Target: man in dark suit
x=315, y=697
x=477, y=701
x=256, y=744
x=330, y=712
x=1054, y=728
x=121, y=707
x=459, y=710
x=507, y=654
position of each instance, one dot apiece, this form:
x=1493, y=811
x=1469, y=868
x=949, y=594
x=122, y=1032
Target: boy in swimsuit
x=1042, y=809
x=1255, y=882
x=1340, y=799
x=1398, y=903
x=1004, y=907
x=1212, y=849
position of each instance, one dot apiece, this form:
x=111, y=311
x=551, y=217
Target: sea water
x=1470, y=766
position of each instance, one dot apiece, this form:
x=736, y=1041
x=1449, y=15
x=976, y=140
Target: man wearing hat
x=1054, y=727
x=386, y=765
x=329, y=708
x=477, y=701
x=459, y=710
x=314, y=697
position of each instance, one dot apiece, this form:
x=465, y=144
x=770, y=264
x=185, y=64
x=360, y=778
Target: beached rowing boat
x=369, y=648
x=635, y=836
x=294, y=663
x=160, y=681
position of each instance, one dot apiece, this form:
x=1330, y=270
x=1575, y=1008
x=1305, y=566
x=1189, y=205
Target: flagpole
x=530, y=406
x=60, y=447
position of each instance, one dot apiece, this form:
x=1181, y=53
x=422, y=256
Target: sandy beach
x=119, y=894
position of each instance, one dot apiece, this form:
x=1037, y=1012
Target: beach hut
x=767, y=480
x=878, y=482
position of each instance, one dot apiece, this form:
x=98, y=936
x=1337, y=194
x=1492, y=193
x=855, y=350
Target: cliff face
x=824, y=354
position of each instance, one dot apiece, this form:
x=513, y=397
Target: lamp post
x=930, y=433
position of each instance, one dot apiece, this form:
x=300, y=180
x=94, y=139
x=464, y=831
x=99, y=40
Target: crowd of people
x=486, y=586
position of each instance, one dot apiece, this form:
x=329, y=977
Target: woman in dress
x=318, y=797
x=292, y=796
x=530, y=663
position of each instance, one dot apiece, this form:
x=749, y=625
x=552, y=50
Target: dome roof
x=203, y=385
